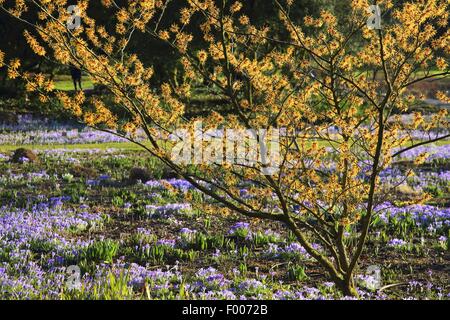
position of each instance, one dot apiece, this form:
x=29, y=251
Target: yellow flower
x=235, y=7
x=202, y=56
x=441, y=64
x=244, y=20
x=34, y=44
x=421, y=158
x=164, y=35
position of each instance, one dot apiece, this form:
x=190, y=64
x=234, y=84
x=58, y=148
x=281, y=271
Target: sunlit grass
x=65, y=83
x=127, y=146
x=102, y=146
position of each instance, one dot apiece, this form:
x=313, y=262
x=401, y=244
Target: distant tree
x=319, y=83
x=13, y=44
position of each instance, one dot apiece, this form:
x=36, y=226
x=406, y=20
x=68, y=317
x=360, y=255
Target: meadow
x=225, y=149
x=79, y=204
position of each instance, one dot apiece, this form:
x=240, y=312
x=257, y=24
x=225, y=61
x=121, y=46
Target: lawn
x=65, y=83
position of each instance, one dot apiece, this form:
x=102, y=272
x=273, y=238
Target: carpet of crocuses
x=142, y=241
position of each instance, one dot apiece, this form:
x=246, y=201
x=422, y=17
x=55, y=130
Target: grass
x=65, y=83
x=126, y=146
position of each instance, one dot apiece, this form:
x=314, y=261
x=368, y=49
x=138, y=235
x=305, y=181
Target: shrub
x=333, y=86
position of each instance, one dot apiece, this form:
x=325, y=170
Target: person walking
x=76, y=76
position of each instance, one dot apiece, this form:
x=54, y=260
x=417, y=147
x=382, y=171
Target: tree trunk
x=347, y=287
